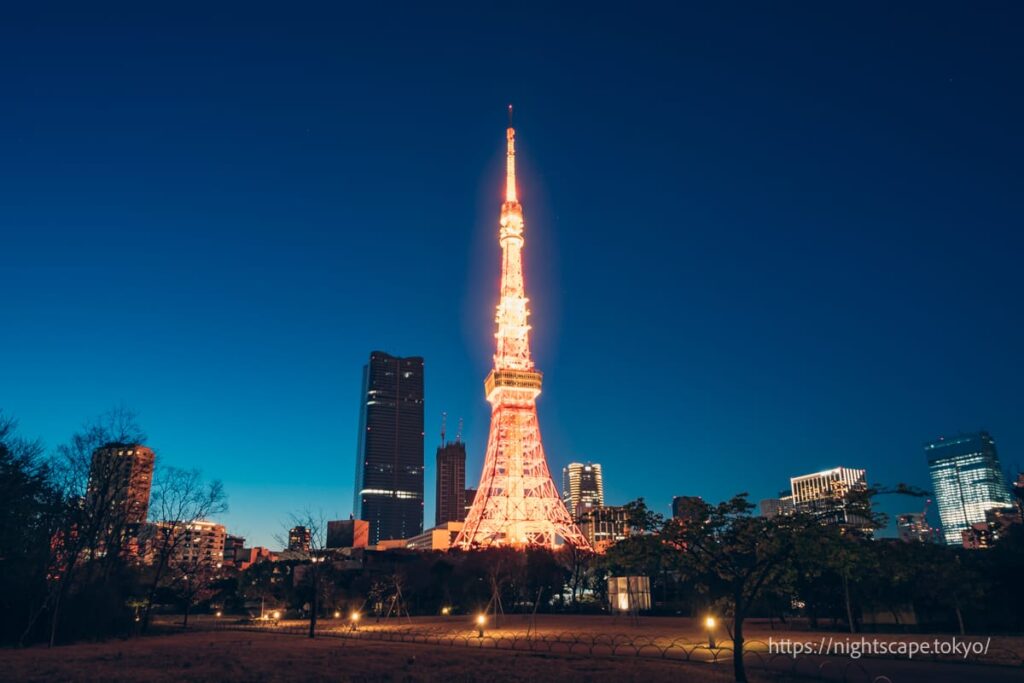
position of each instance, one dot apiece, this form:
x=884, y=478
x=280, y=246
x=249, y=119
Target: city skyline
x=766, y=287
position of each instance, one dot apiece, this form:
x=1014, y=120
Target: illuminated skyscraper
x=835, y=496
x=389, y=461
x=967, y=481
x=516, y=503
x=582, y=487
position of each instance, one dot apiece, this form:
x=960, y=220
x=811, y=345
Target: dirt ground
x=259, y=657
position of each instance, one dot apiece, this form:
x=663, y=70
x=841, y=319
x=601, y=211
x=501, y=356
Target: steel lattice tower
x=516, y=503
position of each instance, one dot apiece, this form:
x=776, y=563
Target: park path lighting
x=481, y=621
x=709, y=624
x=219, y=614
x=337, y=614
x=446, y=611
x=354, y=618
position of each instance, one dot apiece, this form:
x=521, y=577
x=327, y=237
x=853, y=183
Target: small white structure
x=629, y=594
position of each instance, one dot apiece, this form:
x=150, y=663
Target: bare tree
x=179, y=499
x=93, y=533
x=315, y=573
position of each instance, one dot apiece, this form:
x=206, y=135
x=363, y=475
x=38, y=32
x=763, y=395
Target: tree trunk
x=152, y=591
x=312, y=612
x=739, y=669
x=846, y=597
x=53, y=618
x=960, y=619
x=188, y=608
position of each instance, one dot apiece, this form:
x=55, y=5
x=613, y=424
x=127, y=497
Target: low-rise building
x=439, y=538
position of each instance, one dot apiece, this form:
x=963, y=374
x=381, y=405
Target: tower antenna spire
x=444, y=425
x=458, y=435
x=510, y=161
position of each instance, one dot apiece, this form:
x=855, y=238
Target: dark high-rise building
x=450, y=503
x=967, y=480
x=389, y=462
x=470, y=497
x=233, y=549
x=299, y=539
x=688, y=508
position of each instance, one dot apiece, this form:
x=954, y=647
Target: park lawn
x=257, y=657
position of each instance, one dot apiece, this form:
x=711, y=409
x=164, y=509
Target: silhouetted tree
x=179, y=499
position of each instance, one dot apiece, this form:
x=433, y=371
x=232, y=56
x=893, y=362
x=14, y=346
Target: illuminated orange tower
x=516, y=503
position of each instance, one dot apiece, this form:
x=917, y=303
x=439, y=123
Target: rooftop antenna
x=458, y=435
x=444, y=425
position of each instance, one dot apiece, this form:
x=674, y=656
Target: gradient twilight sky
x=761, y=241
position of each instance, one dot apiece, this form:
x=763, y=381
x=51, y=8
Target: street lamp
x=354, y=617
x=709, y=624
x=481, y=621
x=446, y=611
x=337, y=614
x=276, y=615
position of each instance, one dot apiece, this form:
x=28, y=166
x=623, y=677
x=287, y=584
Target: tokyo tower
x=516, y=503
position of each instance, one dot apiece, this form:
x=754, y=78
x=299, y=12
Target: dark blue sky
x=761, y=241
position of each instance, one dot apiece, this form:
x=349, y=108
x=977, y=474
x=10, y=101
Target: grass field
x=259, y=657
x=447, y=649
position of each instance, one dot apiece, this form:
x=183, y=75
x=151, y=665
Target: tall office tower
x=582, y=487
x=516, y=503
x=450, y=500
x=967, y=481
x=389, y=462
x=299, y=539
x=834, y=496
x=120, y=479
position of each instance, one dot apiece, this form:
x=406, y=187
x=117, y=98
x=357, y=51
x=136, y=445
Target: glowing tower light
x=516, y=503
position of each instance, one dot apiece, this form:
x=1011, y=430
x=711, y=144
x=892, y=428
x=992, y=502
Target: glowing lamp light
x=446, y=610
x=337, y=614
x=481, y=620
x=276, y=615
x=219, y=613
x=709, y=624
x=355, y=616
